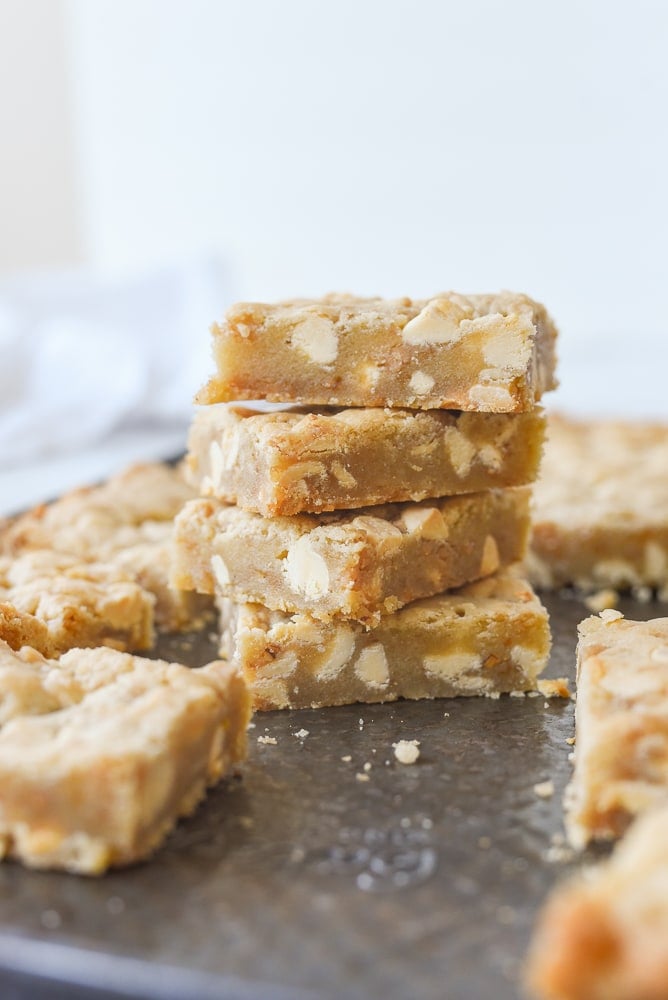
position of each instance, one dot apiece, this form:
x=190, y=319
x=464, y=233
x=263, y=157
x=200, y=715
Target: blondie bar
x=621, y=753
x=491, y=636
x=476, y=352
x=296, y=461
x=601, y=506
x=356, y=564
x=603, y=936
x=53, y=601
x=101, y=752
x=127, y=521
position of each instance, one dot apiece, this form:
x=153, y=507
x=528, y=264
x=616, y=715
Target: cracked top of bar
x=493, y=353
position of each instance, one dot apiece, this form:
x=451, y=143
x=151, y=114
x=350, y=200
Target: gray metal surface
x=302, y=880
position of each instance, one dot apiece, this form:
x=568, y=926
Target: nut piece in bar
x=601, y=506
x=127, y=521
x=356, y=564
x=621, y=716
x=295, y=461
x=101, y=752
x=53, y=602
x=603, y=936
x=458, y=352
x=489, y=637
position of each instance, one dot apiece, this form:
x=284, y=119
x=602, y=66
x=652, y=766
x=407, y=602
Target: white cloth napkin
x=82, y=356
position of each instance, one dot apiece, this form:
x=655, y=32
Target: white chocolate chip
x=427, y=522
x=659, y=654
x=461, y=449
x=317, y=338
x=217, y=464
x=283, y=666
x=342, y=475
x=369, y=376
x=229, y=452
x=544, y=789
x=491, y=457
x=452, y=664
x=220, y=570
x=306, y=570
x=490, y=561
x=337, y=654
x=273, y=691
x=494, y=398
x=508, y=348
x=371, y=666
x=421, y=383
x=526, y=659
x=296, y=473
x=438, y=323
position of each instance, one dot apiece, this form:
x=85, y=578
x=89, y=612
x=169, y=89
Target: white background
x=377, y=146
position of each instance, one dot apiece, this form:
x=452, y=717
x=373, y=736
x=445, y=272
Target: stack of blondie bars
x=360, y=544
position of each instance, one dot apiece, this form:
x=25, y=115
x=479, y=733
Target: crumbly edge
x=77, y=850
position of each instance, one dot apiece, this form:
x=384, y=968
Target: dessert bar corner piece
x=601, y=506
x=603, y=936
x=126, y=522
x=477, y=352
x=621, y=751
x=355, y=564
x=295, y=461
x=101, y=752
x=490, y=637
x=53, y=602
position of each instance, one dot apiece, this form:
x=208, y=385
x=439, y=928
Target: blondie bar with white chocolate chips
x=603, y=936
x=477, y=352
x=356, y=564
x=101, y=752
x=601, y=506
x=621, y=750
x=296, y=461
x=489, y=637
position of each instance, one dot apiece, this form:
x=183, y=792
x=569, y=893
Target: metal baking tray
x=301, y=880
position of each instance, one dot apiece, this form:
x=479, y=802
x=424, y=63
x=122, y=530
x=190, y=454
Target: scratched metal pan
x=301, y=880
